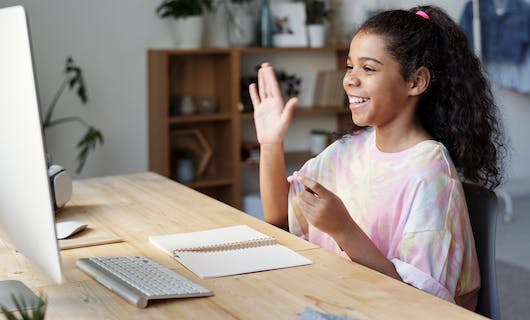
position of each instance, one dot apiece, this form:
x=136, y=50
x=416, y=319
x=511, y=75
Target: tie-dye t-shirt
x=410, y=204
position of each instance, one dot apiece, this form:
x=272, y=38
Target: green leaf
x=88, y=142
x=36, y=313
x=74, y=81
x=182, y=8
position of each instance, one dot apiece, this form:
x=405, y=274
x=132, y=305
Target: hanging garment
x=509, y=75
x=505, y=30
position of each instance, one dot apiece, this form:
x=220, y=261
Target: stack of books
x=328, y=89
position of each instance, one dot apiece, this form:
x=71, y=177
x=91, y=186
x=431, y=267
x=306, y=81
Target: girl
x=388, y=194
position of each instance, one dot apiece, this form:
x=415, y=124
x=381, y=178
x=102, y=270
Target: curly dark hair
x=458, y=108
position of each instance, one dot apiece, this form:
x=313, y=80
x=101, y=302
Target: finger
x=313, y=193
x=312, y=185
x=261, y=84
x=254, y=95
x=272, y=86
x=307, y=200
x=289, y=109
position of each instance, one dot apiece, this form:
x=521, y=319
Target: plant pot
x=316, y=34
x=188, y=31
x=240, y=25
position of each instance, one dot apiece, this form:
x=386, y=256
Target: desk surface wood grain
x=139, y=205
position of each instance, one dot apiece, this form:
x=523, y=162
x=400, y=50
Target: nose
x=351, y=79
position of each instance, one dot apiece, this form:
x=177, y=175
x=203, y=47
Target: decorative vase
x=316, y=34
x=187, y=107
x=188, y=31
x=215, y=35
x=185, y=170
x=240, y=25
x=266, y=26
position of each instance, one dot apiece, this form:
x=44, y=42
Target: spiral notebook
x=227, y=251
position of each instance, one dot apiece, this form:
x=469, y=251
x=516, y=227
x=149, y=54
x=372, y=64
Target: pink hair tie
x=423, y=14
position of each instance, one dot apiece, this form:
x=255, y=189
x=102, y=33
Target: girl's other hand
x=272, y=116
x=322, y=208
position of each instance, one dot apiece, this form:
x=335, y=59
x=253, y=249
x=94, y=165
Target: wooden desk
x=137, y=206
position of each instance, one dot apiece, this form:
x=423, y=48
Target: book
x=328, y=90
x=227, y=251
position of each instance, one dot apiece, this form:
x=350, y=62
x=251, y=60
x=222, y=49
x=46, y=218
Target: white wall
x=109, y=39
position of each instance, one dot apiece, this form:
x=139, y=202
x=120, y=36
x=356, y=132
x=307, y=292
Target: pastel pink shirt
x=410, y=204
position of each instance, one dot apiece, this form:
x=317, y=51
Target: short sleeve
x=437, y=251
x=419, y=266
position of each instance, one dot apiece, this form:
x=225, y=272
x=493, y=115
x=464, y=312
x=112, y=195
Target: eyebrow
x=371, y=59
x=367, y=58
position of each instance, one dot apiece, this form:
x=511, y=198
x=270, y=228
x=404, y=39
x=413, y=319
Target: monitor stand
x=21, y=293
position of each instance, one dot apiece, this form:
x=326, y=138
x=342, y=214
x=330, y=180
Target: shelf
x=297, y=156
x=303, y=111
x=214, y=73
x=199, y=118
x=187, y=52
x=290, y=157
x=208, y=183
x=293, y=49
x=212, y=51
x=307, y=111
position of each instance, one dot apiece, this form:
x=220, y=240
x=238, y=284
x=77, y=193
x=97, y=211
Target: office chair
x=482, y=207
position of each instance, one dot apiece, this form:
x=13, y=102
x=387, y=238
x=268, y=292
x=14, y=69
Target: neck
x=398, y=138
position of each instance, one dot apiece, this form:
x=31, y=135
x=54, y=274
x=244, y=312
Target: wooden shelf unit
x=214, y=73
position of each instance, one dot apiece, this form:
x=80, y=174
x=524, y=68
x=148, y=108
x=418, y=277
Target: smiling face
x=378, y=95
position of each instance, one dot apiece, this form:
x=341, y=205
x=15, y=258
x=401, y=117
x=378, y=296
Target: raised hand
x=272, y=116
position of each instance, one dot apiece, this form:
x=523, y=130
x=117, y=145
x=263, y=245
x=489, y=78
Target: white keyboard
x=139, y=279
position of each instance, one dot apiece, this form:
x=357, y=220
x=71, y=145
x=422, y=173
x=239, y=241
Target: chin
x=360, y=122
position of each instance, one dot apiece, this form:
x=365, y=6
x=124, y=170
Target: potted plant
x=73, y=80
x=23, y=311
x=316, y=15
x=187, y=18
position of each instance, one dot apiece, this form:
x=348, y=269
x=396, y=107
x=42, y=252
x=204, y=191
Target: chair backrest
x=482, y=207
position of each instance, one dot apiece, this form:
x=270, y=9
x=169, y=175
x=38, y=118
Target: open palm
x=272, y=116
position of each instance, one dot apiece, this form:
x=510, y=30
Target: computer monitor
x=27, y=218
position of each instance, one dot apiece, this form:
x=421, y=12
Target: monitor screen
x=26, y=208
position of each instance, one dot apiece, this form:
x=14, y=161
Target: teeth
x=357, y=100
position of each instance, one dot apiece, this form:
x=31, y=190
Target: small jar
x=187, y=107
x=206, y=105
x=185, y=170
x=319, y=141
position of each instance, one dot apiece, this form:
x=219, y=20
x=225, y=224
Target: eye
x=349, y=67
x=368, y=69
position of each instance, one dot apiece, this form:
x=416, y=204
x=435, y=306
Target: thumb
x=289, y=108
x=313, y=186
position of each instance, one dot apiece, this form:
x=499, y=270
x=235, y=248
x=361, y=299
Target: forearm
x=274, y=187
x=360, y=248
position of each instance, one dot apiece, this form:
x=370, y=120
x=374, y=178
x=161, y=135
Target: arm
x=324, y=210
x=272, y=119
x=273, y=184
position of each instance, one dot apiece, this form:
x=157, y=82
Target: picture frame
x=289, y=28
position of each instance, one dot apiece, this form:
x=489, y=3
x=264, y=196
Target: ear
x=419, y=81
